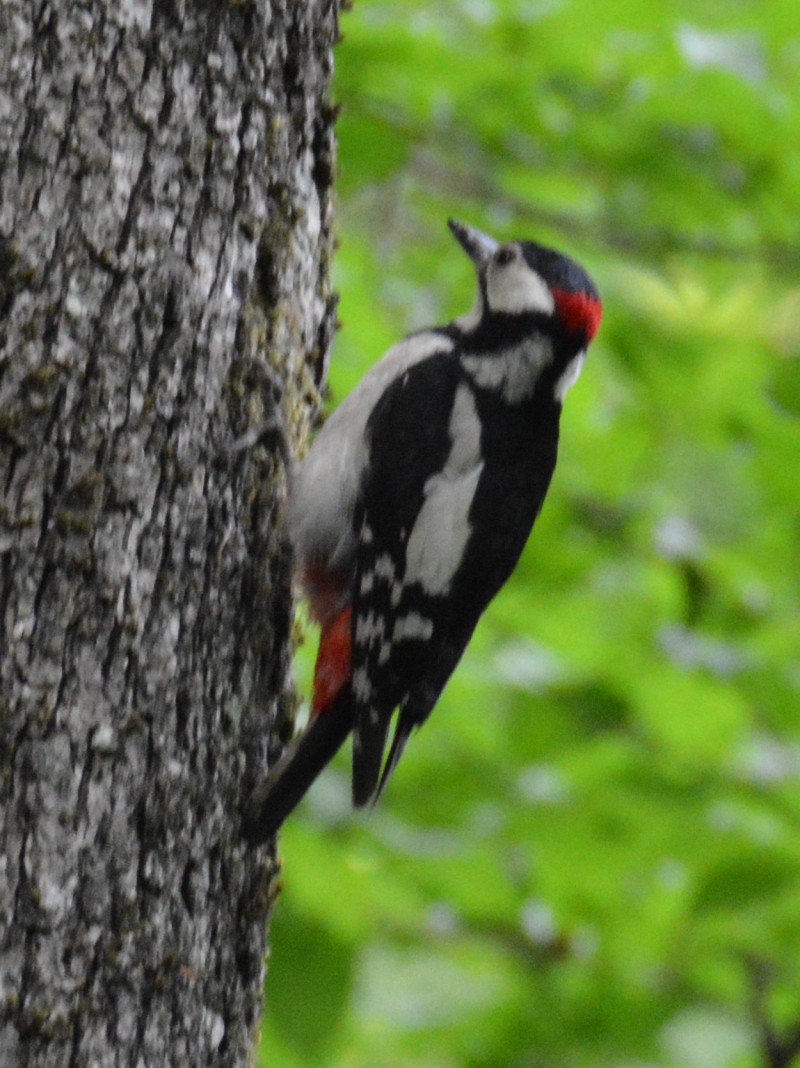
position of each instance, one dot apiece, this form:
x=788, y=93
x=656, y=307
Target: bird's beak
x=477, y=245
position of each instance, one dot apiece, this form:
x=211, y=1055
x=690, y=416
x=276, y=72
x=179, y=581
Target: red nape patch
x=579, y=312
x=332, y=669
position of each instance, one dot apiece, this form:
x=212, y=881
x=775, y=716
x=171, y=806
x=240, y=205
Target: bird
x=412, y=507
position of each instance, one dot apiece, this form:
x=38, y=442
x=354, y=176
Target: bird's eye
x=503, y=256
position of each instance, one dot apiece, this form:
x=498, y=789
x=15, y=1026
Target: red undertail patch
x=332, y=669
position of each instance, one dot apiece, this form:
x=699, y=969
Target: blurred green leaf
x=784, y=387
x=309, y=985
x=594, y=836
x=746, y=879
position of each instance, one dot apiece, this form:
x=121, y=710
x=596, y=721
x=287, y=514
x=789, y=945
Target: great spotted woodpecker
x=414, y=503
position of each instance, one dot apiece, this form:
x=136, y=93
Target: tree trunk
x=165, y=313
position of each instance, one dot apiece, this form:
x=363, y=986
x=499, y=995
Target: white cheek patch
x=437, y=542
x=569, y=376
x=514, y=288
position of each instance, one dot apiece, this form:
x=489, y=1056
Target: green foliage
x=591, y=855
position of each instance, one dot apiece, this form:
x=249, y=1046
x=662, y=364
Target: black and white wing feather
x=446, y=508
x=396, y=623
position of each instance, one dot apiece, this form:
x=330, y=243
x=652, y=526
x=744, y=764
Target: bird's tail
x=369, y=781
x=300, y=763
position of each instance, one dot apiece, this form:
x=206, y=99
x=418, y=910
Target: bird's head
x=523, y=278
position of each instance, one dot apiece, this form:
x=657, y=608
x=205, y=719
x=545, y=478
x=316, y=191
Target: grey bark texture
x=165, y=314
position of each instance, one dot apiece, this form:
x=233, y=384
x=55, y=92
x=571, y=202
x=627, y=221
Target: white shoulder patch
x=440, y=534
x=569, y=376
x=512, y=372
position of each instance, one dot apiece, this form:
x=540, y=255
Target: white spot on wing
x=512, y=372
x=383, y=571
x=412, y=627
x=569, y=376
x=368, y=627
x=515, y=287
x=384, y=567
x=437, y=542
x=362, y=687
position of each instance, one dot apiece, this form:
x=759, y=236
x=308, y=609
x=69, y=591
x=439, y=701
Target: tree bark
x=165, y=314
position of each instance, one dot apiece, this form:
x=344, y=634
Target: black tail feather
x=369, y=742
x=304, y=758
x=402, y=733
x=369, y=781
